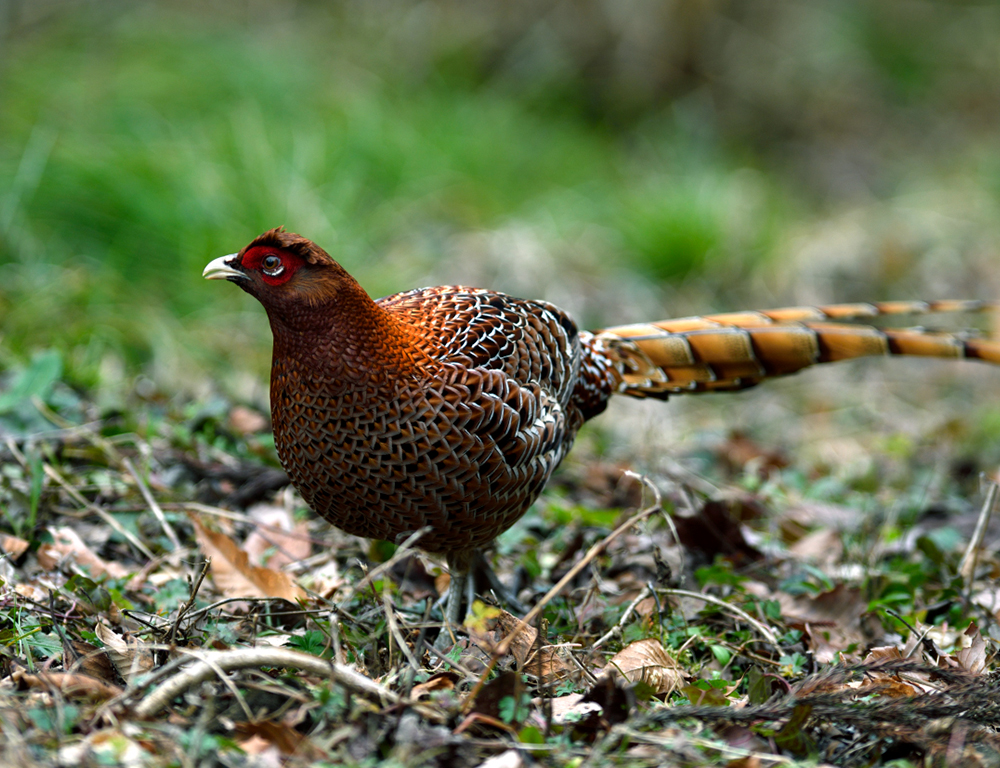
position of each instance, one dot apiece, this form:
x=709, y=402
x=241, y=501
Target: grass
x=142, y=144
x=75, y=589
x=139, y=143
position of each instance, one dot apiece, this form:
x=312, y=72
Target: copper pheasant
x=450, y=407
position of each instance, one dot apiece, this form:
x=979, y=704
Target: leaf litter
x=164, y=602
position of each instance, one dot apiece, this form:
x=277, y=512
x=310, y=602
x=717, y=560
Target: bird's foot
x=466, y=569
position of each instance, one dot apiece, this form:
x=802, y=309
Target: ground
x=749, y=600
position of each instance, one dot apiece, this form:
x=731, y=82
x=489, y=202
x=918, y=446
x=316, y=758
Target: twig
x=739, y=612
x=726, y=750
x=219, y=673
x=154, y=507
x=967, y=568
x=399, y=554
x=79, y=499
x=442, y=656
x=582, y=668
x=189, y=603
x=616, y=630
x=504, y=645
x=390, y=616
x=104, y=515
x=296, y=611
x=211, y=663
x=92, y=436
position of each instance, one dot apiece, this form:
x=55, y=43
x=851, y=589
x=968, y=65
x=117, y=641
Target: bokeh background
x=626, y=159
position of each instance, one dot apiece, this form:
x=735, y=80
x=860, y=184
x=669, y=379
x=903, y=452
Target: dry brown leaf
x=126, y=749
x=257, y=738
x=888, y=683
x=548, y=662
x=973, y=658
x=70, y=684
x=246, y=421
x=572, y=708
x=442, y=681
x=86, y=658
x=34, y=592
x=257, y=746
x=512, y=758
x=522, y=645
x=68, y=545
x=441, y=582
x=279, y=537
x=832, y=620
x=823, y=547
x=130, y=656
x=233, y=574
x=812, y=514
x=490, y=700
x=717, y=528
x=741, y=453
x=647, y=661
x=13, y=546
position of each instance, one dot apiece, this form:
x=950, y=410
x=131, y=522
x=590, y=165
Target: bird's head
x=283, y=270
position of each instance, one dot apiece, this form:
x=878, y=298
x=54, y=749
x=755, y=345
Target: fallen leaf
x=500, y=700
x=129, y=655
x=235, y=576
x=832, y=619
x=88, y=659
x=442, y=681
x=647, y=661
x=740, y=453
x=13, y=546
x=246, y=421
x=34, y=592
x=973, y=658
x=716, y=529
x=108, y=746
x=887, y=683
x=548, y=662
x=707, y=697
x=258, y=737
x=512, y=758
x=71, y=685
x=67, y=545
x=615, y=699
x=793, y=735
x=278, y=537
x=823, y=547
x=571, y=708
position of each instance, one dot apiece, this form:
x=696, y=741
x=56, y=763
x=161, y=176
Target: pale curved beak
x=221, y=269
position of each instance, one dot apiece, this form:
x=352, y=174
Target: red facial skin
x=254, y=259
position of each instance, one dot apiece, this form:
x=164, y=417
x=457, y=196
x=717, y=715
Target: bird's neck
x=345, y=340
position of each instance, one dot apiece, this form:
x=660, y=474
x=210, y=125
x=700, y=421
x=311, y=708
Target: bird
x=446, y=409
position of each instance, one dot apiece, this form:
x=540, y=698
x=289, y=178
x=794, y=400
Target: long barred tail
x=734, y=351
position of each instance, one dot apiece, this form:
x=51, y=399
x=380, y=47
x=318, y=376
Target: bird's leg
x=460, y=582
x=466, y=568
x=480, y=567
x=458, y=568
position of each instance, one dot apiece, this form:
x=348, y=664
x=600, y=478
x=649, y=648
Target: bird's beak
x=221, y=269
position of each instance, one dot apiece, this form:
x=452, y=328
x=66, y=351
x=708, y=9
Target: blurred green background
x=627, y=159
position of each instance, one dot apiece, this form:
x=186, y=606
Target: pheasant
x=449, y=408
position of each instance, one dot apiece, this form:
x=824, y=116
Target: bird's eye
x=272, y=265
